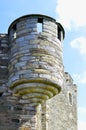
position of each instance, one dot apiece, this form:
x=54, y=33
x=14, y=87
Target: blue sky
x=71, y=14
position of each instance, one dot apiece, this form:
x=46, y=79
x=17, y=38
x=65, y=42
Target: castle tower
x=35, y=93
x=35, y=66
x=35, y=63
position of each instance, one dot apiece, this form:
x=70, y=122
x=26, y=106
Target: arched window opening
x=70, y=98
x=39, y=25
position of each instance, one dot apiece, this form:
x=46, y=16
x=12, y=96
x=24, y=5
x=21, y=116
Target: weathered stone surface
x=31, y=76
x=61, y=112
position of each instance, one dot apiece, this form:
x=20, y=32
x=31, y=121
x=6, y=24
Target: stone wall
x=60, y=111
x=3, y=62
x=31, y=72
x=35, y=62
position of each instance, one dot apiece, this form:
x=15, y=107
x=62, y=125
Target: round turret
x=35, y=66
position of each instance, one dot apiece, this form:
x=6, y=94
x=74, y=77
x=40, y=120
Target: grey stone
x=35, y=92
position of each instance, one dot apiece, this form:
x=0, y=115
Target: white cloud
x=80, y=78
x=82, y=126
x=71, y=12
x=80, y=44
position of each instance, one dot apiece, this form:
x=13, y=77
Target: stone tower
x=32, y=76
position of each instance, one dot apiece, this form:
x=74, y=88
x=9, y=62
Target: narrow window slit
x=14, y=31
x=59, y=33
x=39, y=25
x=70, y=99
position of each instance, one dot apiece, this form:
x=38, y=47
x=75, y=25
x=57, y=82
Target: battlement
x=33, y=19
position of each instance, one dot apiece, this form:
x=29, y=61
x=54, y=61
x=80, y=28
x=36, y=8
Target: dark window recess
x=15, y=120
x=66, y=72
x=14, y=31
x=67, y=80
x=59, y=33
x=14, y=27
x=39, y=24
x=1, y=93
x=70, y=98
x=40, y=20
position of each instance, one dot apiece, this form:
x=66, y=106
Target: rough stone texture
x=32, y=75
x=61, y=111
x=35, y=63
x=3, y=62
